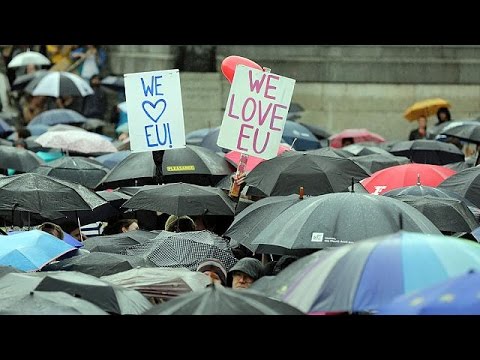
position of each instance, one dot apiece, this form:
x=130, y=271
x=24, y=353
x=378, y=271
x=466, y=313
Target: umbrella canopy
x=5, y=128
x=59, y=83
x=86, y=172
x=447, y=214
x=425, y=108
x=376, y=162
x=465, y=183
x=182, y=199
x=116, y=83
x=456, y=296
x=118, y=243
x=405, y=175
x=99, y=264
x=217, y=300
x=31, y=250
x=193, y=160
x=57, y=116
x=196, y=137
x=21, y=81
x=320, y=133
x=210, y=141
x=304, y=138
x=465, y=130
x=18, y=159
x=249, y=223
x=161, y=284
x=337, y=219
x=28, y=58
x=358, y=135
x=428, y=152
x=77, y=141
x=234, y=158
x=185, y=249
x=371, y=273
x=114, y=198
x=111, y=160
x=47, y=303
x=42, y=194
x=318, y=174
x=4, y=270
x=107, y=296
x=362, y=150
x=135, y=168
x=422, y=190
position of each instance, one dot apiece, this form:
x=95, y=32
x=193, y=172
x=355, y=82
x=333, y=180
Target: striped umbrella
x=59, y=83
x=371, y=273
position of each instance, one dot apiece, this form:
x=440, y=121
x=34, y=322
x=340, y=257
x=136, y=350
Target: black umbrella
x=465, y=130
x=250, y=222
x=161, y=284
x=185, y=165
x=375, y=162
x=320, y=133
x=18, y=159
x=421, y=191
x=209, y=141
x=47, y=303
x=115, y=198
x=98, y=264
x=428, y=152
x=337, y=219
x=318, y=174
x=332, y=152
x=465, y=183
x=42, y=195
x=135, y=169
x=117, y=243
x=86, y=172
x=459, y=166
x=217, y=300
x=185, y=249
x=447, y=214
x=110, y=298
x=182, y=199
x=4, y=270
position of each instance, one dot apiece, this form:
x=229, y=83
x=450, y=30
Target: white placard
x=256, y=112
x=155, y=112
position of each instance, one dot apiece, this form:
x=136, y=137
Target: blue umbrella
x=69, y=239
x=111, y=160
x=305, y=140
x=57, y=116
x=371, y=273
x=38, y=129
x=457, y=296
x=31, y=250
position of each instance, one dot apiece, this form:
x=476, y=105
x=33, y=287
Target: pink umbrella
x=234, y=157
x=358, y=135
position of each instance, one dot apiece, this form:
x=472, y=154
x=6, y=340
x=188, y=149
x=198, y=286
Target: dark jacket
x=415, y=135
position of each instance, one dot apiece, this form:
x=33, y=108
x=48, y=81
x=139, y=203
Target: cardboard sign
x=155, y=112
x=256, y=112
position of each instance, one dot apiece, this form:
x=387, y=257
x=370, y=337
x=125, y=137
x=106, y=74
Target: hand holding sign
x=229, y=64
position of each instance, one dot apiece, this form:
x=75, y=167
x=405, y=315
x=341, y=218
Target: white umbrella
x=59, y=83
x=29, y=58
x=77, y=141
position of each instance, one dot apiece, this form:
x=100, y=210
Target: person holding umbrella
x=421, y=131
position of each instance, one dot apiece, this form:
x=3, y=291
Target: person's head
x=284, y=262
x=121, y=226
x=244, y=273
x=52, y=229
x=179, y=224
x=422, y=122
x=95, y=81
x=347, y=141
x=72, y=228
x=443, y=114
x=31, y=68
x=215, y=270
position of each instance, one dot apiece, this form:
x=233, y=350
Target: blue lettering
x=147, y=135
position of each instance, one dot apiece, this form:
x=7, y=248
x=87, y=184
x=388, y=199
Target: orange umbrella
x=425, y=108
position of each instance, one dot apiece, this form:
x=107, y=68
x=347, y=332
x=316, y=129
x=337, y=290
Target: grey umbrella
x=361, y=150
x=337, y=219
x=117, y=243
x=18, y=159
x=86, y=172
x=465, y=183
x=428, y=152
x=110, y=298
x=182, y=199
x=250, y=222
x=99, y=264
x=375, y=162
x=57, y=116
x=217, y=300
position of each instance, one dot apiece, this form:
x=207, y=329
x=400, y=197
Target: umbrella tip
x=301, y=193
x=418, y=180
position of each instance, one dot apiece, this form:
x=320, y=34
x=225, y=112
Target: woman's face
x=132, y=227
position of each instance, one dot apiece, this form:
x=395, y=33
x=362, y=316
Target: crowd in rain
x=337, y=223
